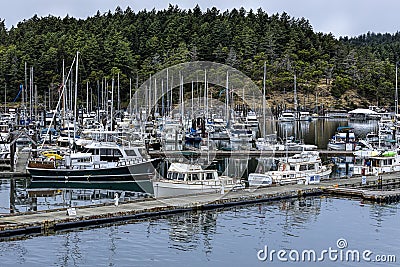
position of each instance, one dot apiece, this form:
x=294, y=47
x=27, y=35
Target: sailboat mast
x=205, y=92
x=130, y=97
x=192, y=100
x=36, y=104
x=30, y=93
x=76, y=97
x=170, y=98
x=155, y=96
x=162, y=98
x=182, y=104
x=263, y=102
x=227, y=96
x=91, y=99
x=63, y=96
x=119, y=100
x=23, y=91
x=87, y=97
x=106, y=96
x=295, y=94
x=150, y=103
x=168, y=101
x=136, y=95
x=112, y=104
x=396, y=100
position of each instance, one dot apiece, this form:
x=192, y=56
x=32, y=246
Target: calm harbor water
x=228, y=237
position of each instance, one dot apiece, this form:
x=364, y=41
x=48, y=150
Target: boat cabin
x=386, y=162
x=112, y=152
x=189, y=173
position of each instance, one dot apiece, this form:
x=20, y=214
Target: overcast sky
x=340, y=17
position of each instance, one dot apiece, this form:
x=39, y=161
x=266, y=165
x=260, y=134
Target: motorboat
x=305, y=167
x=189, y=179
x=99, y=161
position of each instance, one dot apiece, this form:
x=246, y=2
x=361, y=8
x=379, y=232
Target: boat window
x=117, y=153
x=174, y=175
x=131, y=153
x=169, y=176
x=292, y=168
x=311, y=167
x=303, y=167
x=387, y=162
x=142, y=151
x=195, y=176
x=209, y=176
x=181, y=176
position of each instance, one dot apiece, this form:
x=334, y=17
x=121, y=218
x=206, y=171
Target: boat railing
x=130, y=161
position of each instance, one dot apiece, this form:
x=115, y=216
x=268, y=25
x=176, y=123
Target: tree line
x=138, y=44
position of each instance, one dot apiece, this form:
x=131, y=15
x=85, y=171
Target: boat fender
x=283, y=167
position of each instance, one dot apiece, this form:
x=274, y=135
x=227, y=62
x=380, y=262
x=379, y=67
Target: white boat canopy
x=362, y=111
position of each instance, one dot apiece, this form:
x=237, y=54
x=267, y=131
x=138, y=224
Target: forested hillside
x=139, y=43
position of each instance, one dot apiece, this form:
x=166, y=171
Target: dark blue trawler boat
x=100, y=161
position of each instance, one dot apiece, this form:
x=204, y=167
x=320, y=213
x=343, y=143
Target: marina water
x=228, y=237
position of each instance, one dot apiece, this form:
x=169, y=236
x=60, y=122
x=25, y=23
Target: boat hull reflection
x=144, y=186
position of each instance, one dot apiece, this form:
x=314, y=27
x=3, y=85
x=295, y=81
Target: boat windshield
x=209, y=176
x=175, y=176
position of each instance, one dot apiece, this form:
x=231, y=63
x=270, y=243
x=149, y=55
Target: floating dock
x=372, y=195
x=46, y=222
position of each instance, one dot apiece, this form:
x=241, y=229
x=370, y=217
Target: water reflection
x=187, y=230
x=22, y=195
x=361, y=128
x=318, y=132
x=298, y=214
x=70, y=254
x=229, y=236
x=315, y=132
